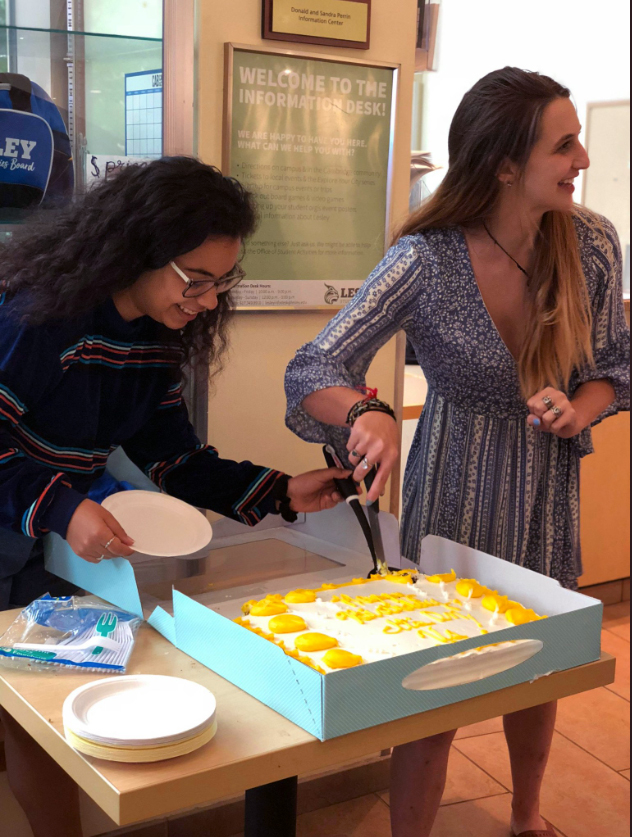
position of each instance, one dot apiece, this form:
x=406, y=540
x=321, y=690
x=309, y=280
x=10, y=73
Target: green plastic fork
x=105, y=626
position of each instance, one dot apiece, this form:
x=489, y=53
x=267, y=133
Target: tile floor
x=587, y=790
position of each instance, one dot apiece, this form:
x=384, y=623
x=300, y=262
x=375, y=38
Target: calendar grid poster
x=143, y=114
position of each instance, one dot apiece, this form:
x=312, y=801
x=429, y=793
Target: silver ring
x=107, y=546
x=366, y=464
x=557, y=412
x=100, y=559
x=548, y=402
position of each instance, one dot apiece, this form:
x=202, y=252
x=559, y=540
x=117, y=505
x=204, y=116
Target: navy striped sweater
x=73, y=391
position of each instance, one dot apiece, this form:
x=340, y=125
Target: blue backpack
x=36, y=166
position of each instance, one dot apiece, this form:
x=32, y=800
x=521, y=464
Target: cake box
x=345, y=701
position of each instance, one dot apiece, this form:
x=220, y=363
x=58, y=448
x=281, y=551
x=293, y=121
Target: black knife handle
x=349, y=490
x=347, y=486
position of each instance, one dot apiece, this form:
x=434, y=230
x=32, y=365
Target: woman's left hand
x=552, y=412
x=315, y=490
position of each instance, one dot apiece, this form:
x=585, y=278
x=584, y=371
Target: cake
x=340, y=626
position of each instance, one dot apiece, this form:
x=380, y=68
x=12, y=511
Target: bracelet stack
x=369, y=405
x=281, y=497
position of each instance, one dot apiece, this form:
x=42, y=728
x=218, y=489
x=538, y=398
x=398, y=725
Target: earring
x=509, y=183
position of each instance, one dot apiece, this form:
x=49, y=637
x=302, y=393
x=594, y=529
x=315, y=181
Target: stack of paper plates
x=140, y=718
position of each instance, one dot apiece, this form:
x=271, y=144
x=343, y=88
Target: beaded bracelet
x=280, y=495
x=369, y=405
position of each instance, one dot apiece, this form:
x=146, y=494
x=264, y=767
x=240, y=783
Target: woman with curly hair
x=99, y=313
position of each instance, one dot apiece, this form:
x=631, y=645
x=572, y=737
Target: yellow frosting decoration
x=496, y=603
x=454, y=637
x=442, y=577
x=247, y=607
x=300, y=597
x=432, y=633
x=245, y=623
x=521, y=615
x=337, y=658
x=315, y=642
x=438, y=618
x=470, y=588
x=268, y=607
x=287, y=623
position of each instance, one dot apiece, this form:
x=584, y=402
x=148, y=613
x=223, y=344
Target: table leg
x=271, y=809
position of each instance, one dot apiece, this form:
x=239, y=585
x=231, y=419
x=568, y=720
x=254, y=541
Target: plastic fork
x=105, y=626
x=91, y=642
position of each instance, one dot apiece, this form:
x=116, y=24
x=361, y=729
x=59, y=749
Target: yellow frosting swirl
x=301, y=597
x=337, y=658
x=496, y=603
x=446, y=578
x=268, y=607
x=470, y=588
x=315, y=642
x=287, y=624
x=521, y=615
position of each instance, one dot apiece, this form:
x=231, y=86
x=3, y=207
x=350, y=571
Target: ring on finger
x=107, y=546
x=548, y=402
x=356, y=454
x=366, y=464
x=557, y=412
x=100, y=559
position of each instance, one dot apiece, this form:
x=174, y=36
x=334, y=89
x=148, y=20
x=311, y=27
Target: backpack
x=36, y=167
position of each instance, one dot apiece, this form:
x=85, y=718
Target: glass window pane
x=102, y=96
x=4, y=44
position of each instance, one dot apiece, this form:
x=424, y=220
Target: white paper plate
x=160, y=525
x=143, y=710
x=140, y=755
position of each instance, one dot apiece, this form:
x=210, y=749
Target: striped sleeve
x=34, y=499
x=610, y=331
x=342, y=353
x=172, y=456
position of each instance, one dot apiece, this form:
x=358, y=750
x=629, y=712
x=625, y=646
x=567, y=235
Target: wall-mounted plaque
x=343, y=23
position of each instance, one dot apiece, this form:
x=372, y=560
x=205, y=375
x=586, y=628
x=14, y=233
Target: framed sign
x=343, y=23
x=313, y=139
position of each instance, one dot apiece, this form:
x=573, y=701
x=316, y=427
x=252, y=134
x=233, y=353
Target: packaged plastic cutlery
x=75, y=632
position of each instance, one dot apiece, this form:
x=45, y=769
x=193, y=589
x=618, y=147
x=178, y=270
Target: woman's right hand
x=374, y=437
x=93, y=534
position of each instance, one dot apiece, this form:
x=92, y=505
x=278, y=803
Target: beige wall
x=247, y=407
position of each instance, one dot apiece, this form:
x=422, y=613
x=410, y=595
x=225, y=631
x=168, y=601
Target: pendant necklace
x=498, y=244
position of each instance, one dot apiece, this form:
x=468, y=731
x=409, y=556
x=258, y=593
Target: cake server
x=373, y=513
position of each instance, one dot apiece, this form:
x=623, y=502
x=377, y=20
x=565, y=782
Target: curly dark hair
x=65, y=264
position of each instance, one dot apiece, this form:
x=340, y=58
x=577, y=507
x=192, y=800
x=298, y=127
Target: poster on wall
x=143, y=114
x=312, y=138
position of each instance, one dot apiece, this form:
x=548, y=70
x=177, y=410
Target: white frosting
x=368, y=639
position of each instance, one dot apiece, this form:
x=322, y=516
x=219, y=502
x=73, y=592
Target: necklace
x=498, y=244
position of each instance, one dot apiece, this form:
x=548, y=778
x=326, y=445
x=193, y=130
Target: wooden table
x=254, y=746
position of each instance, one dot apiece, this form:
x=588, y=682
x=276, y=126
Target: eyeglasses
x=221, y=285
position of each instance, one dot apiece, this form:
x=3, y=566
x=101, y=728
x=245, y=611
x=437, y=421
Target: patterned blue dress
x=477, y=474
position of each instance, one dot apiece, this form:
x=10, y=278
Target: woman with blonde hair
x=512, y=298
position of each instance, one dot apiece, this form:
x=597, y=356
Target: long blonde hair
x=499, y=119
